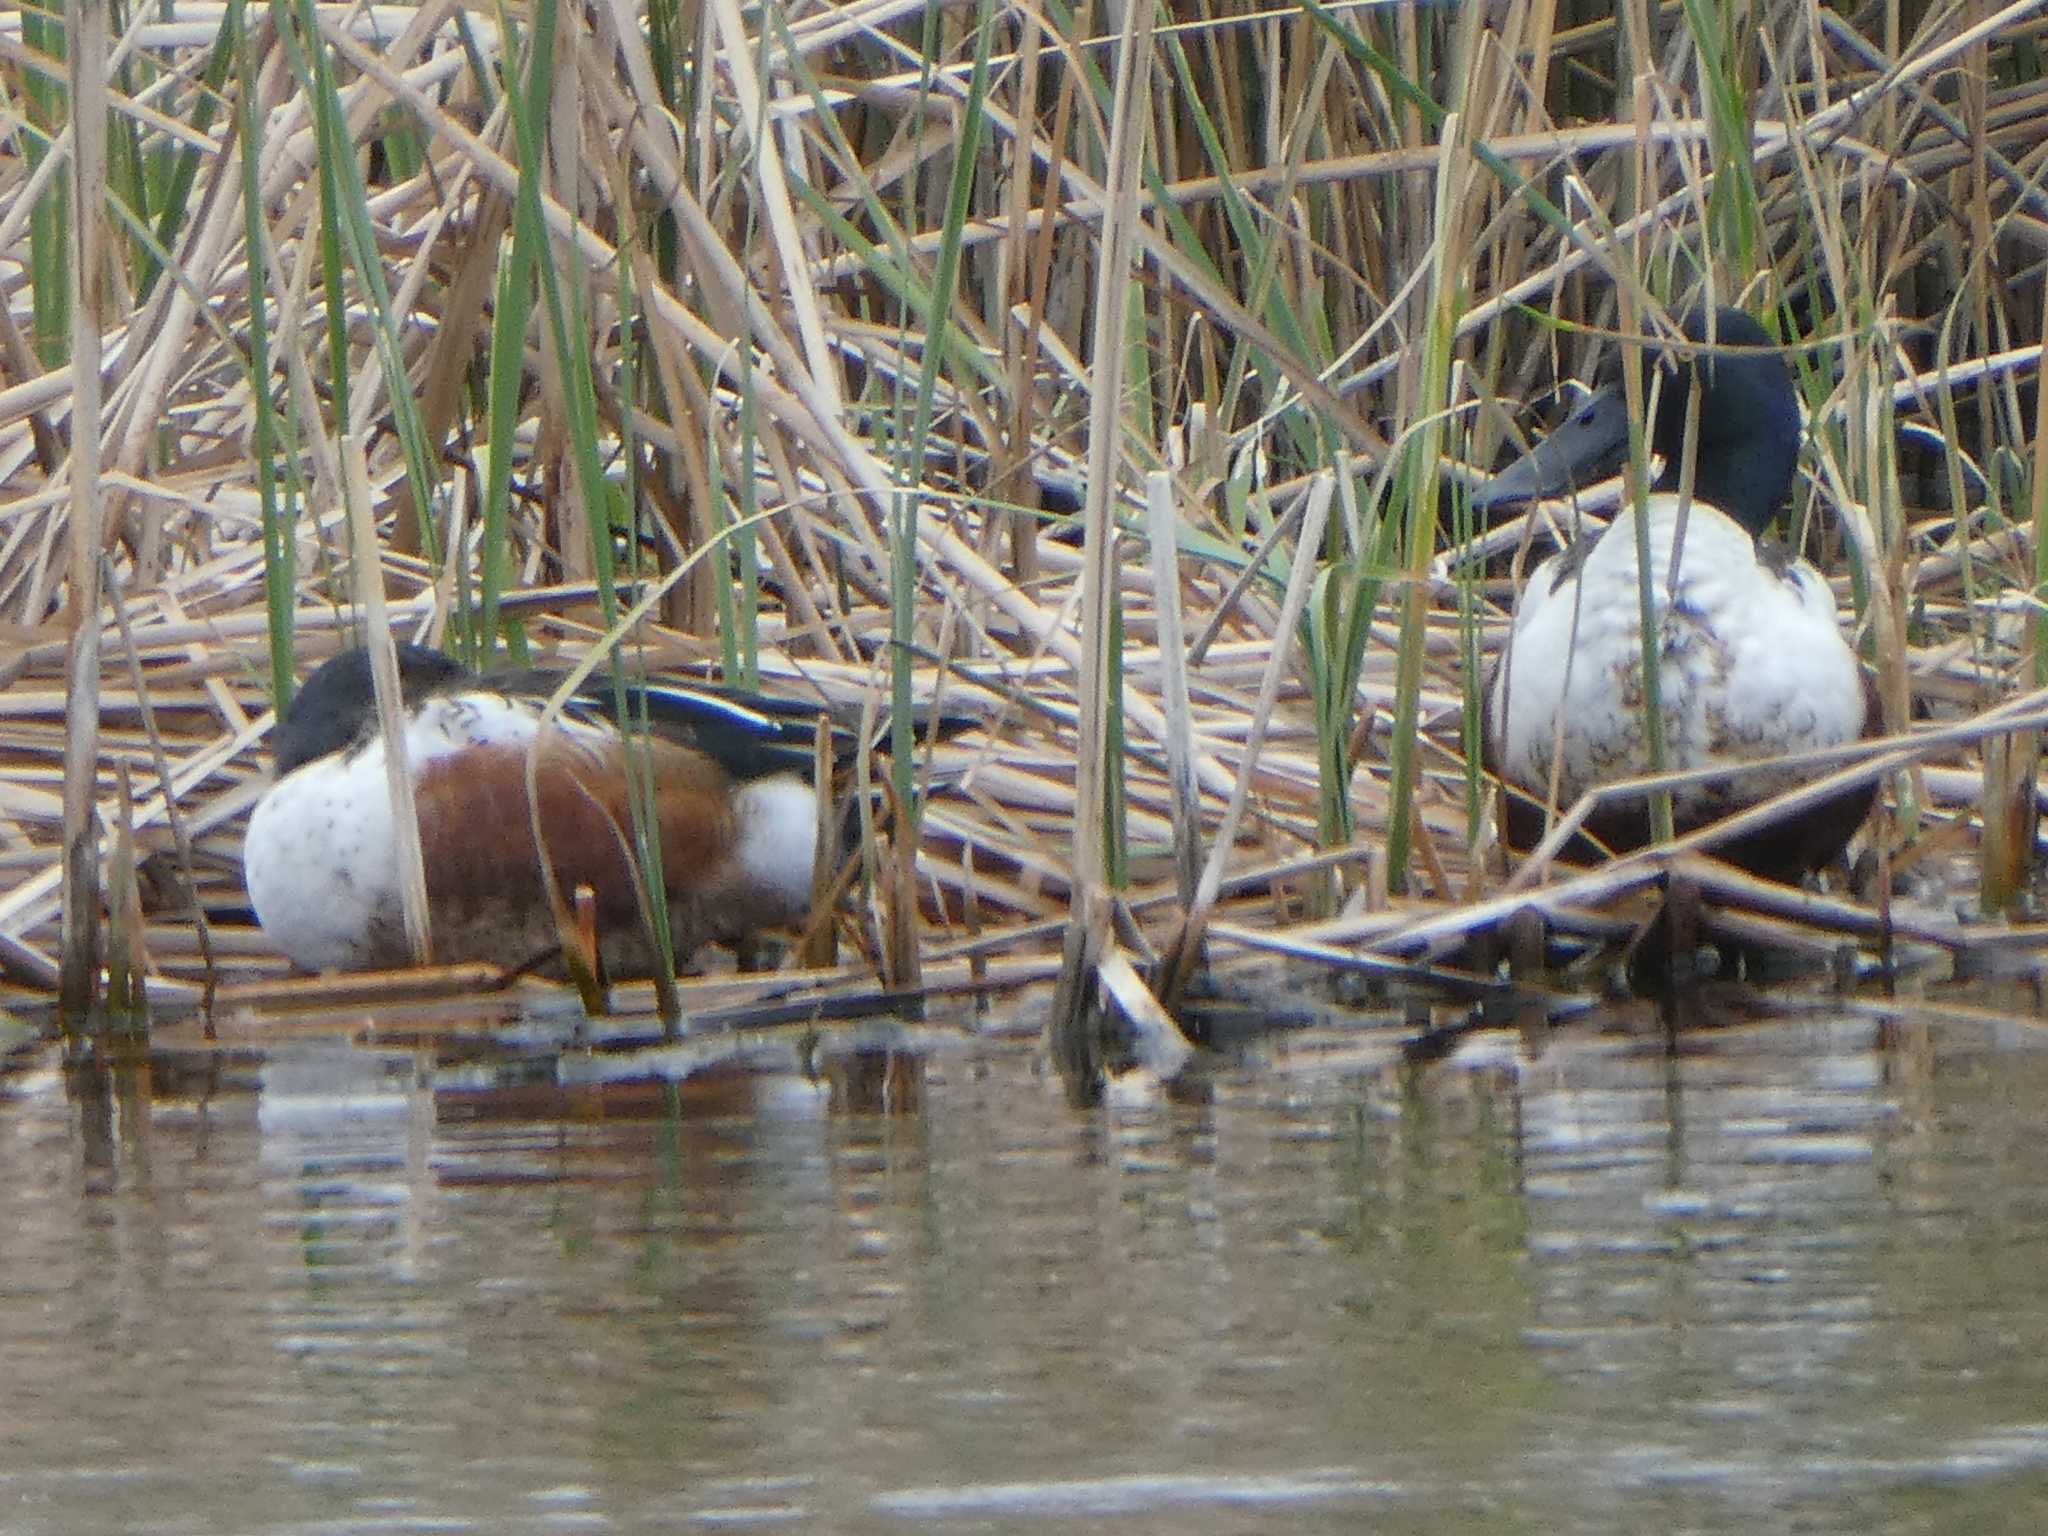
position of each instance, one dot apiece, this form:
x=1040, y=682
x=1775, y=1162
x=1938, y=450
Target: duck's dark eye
x=1585, y=416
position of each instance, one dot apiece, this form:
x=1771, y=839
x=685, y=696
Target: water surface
x=1792, y=1276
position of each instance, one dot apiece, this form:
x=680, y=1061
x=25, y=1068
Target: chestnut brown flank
x=476, y=835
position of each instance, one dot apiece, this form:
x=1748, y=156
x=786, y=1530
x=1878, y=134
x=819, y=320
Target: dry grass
x=826, y=369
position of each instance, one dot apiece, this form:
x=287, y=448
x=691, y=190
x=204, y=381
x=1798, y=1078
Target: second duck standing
x=1752, y=664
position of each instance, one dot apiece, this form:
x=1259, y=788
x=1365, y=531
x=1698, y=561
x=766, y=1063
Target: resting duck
x=1753, y=663
x=736, y=805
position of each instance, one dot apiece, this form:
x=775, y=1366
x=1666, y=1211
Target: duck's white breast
x=1752, y=661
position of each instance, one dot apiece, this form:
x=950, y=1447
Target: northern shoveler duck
x=1753, y=664
x=736, y=804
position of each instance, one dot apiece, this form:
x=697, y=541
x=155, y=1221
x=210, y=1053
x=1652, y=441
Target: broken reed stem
x=1178, y=966
x=1071, y=1020
x=1184, y=803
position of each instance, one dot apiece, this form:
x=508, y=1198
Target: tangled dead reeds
x=876, y=351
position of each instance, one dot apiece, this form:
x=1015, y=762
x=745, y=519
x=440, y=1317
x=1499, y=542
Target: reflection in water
x=1780, y=1275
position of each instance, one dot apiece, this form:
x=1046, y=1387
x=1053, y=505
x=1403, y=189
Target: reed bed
x=873, y=351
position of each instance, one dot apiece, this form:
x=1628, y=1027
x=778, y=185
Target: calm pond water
x=1792, y=1277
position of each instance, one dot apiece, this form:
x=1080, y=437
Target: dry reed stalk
x=1181, y=956
x=1184, y=803
x=1099, y=671
x=377, y=639
x=85, y=32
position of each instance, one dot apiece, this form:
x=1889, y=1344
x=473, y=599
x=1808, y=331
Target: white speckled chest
x=1751, y=664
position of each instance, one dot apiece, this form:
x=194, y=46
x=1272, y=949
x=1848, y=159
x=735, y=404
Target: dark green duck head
x=1749, y=429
